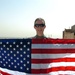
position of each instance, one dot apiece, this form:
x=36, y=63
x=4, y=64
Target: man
x=39, y=26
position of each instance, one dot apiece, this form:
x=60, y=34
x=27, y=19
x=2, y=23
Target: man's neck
x=42, y=36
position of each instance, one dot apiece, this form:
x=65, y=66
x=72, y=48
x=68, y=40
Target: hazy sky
x=17, y=17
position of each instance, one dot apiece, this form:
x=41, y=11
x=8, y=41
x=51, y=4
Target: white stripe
x=51, y=73
x=52, y=46
x=52, y=56
x=50, y=65
x=63, y=73
x=12, y=72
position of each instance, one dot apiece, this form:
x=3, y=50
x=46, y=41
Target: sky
x=17, y=17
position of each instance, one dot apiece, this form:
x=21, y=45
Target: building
x=69, y=33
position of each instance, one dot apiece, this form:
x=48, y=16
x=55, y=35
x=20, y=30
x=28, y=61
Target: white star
x=21, y=61
x=0, y=56
x=15, y=66
x=7, y=48
x=17, y=45
x=27, y=62
x=10, y=45
x=4, y=51
x=11, y=52
x=28, y=56
x=24, y=64
x=14, y=42
x=14, y=60
x=17, y=58
x=11, y=57
x=3, y=59
x=28, y=49
x=21, y=67
x=12, y=63
x=7, y=42
x=24, y=58
x=14, y=55
x=21, y=49
x=8, y=54
x=14, y=49
x=0, y=42
x=21, y=55
x=17, y=52
x=4, y=65
x=24, y=52
x=1, y=48
x=24, y=45
x=8, y=59
x=3, y=54
x=21, y=42
x=27, y=68
x=18, y=64
x=3, y=45
x=6, y=62
x=28, y=43
x=9, y=65
x=0, y=61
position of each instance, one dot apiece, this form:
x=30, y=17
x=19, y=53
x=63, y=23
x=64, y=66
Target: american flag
x=37, y=57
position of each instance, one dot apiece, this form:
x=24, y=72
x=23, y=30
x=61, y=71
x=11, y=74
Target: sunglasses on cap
x=39, y=25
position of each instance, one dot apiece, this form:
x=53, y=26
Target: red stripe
x=3, y=73
x=45, y=71
x=54, y=51
x=53, y=41
x=44, y=61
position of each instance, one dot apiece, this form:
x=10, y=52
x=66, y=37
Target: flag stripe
x=10, y=72
x=50, y=51
x=53, y=46
x=52, y=56
x=48, y=70
x=44, y=61
x=53, y=41
x=50, y=65
x=4, y=73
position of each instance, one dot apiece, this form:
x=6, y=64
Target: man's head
x=39, y=26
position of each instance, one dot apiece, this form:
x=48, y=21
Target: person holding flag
x=39, y=26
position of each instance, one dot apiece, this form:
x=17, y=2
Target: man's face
x=39, y=29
